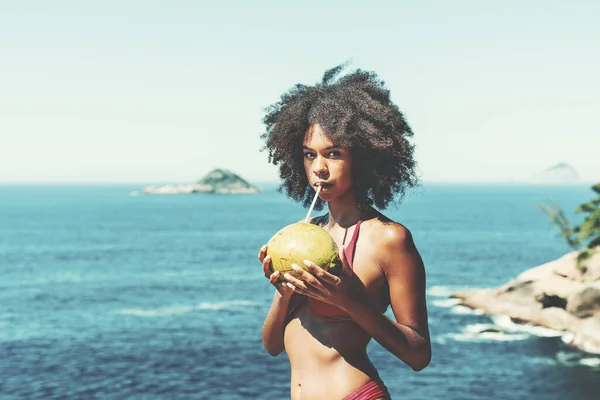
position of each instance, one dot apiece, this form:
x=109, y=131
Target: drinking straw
x=312, y=205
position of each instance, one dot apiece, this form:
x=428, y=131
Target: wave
x=440, y=291
x=489, y=336
x=502, y=329
x=224, y=304
x=483, y=332
x=445, y=303
x=572, y=359
x=507, y=324
x=590, y=361
x=159, y=312
x=182, y=309
x=466, y=310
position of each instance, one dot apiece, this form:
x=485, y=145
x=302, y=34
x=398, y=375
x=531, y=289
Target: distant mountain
x=561, y=173
x=219, y=181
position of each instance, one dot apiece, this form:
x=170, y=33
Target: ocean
x=108, y=295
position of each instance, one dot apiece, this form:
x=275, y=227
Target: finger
x=295, y=289
x=306, y=277
x=320, y=273
x=262, y=252
x=295, y=281
x=267, y=266
x=274, y=277
x=303, y=292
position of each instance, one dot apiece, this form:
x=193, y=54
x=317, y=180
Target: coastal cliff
x=217, y=181
x=561, y=295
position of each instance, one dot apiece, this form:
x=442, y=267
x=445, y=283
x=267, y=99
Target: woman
x=346, y=136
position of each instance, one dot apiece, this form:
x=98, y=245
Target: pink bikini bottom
x=372, y=390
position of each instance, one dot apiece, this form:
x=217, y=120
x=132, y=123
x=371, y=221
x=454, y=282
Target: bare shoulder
x=394, y=243
x=385, y=233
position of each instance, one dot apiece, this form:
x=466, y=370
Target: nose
x=319, y=166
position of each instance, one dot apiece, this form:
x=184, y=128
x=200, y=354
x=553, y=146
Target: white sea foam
x=507, y=324
x=224, y=304
x=485, y=332
x=590, y=362
x=466, y=310
x=575, y=359
x=182, y=309
x=158, y=312
x=541, y=360
x=567, y=337
x=477, y=328
x=502, y=336
x=439, y=291
x=487, y=336
x=567, y=358
x=445, y=303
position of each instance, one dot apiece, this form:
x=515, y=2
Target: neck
x=344, y=211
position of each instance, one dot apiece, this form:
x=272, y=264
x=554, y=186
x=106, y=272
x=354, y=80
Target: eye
x=309, y=156
x=333, y=154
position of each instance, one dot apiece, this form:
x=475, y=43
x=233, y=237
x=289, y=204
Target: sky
x=156, y=91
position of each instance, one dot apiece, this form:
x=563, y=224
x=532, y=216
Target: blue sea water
x=105, y=295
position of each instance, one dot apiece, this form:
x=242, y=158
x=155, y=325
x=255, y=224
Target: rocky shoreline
x=559, y=295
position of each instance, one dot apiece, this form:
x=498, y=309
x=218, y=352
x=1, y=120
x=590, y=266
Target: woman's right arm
x=274, y=325
x=276, y=319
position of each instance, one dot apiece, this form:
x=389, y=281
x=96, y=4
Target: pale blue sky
x=155, y=91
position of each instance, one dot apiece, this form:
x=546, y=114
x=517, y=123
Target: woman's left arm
x=407, y=337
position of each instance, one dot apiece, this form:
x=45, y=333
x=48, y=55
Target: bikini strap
x=349, y=250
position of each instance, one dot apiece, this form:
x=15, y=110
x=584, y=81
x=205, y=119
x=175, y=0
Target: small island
x=561, y=173
x=217, y=181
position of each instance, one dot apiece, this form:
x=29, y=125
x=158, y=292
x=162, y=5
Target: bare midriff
x=328, y=359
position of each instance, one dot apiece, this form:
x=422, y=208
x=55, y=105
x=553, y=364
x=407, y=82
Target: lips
x=324, y=185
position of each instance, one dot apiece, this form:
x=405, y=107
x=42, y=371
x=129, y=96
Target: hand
x=274, y=277
x=321, y=285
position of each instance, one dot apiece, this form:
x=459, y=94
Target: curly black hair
x=355, y=111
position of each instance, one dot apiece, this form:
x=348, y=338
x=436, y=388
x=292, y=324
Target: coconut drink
x=303, y=241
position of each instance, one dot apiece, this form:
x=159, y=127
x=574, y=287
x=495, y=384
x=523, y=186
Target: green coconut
x=303, y=241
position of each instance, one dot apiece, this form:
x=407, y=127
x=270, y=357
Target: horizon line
x=274, y=182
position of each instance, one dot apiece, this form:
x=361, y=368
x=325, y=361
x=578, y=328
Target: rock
x=585, y=303
x=588, y=271
x=219, y=181
x=550, y=300
x=559, y=295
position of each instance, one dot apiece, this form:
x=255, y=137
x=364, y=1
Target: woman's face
x=326, y=164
